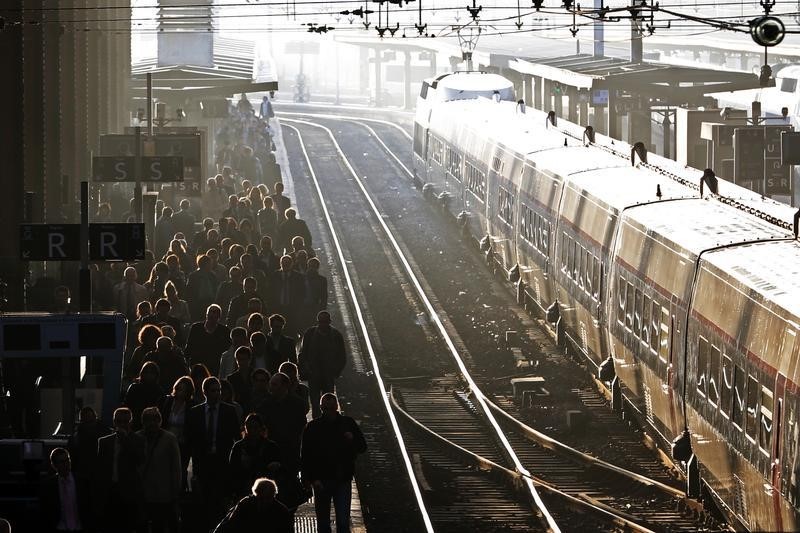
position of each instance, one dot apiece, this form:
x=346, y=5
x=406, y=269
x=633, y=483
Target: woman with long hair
x=159, y=276
x=174, y=408
x=147, y=338
x=179, y=309
x=144, y=392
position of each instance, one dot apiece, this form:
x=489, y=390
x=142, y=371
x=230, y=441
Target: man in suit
x=120, y=457
x=238, y=304
x=280, y=348
x=163, y=481
x=211, y=429
x=64, y=502
x=287, y=291
x=129, y=293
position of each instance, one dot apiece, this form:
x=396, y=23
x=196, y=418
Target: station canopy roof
x=670, y=83
x=234, y=69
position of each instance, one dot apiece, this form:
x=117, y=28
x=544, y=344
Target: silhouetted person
x=183, y=220
x=330, y=446
x=161, y=474
x=212, y=428
x=298, y=389
x=285, y=417
x=65, y=502
x=120, y=458
x=322, y=358
x=260, y=511
x=238, y=304
x=240, y=378
x=170, y=361
x=280, y=348
x=280, y=203
x=227, y=362
x=253, y=456
x=208, y=340
x=174, y=410
x=129, y=293
x=292, y=227
x=82, y=445
x=161, y=317
x=144, y=392
x=201, y=287
x=287, y=290
x=316, y=293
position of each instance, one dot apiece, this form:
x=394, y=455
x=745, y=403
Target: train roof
x=626, y=186
x=696, y=225
x=771, y=269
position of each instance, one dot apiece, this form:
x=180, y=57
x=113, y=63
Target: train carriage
x=691, y=299
x=742, y=380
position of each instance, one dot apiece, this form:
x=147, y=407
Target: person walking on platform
x=208, y=340
x=64, y=500
x=211, y=429
x=330, y=446
x=163, y=482
x=120, y=458
x=322, y=358
x=258, y=512
x=280, y=348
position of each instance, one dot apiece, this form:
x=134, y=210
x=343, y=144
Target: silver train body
x=696, y=301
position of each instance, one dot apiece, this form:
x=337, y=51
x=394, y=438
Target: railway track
x=470, y=457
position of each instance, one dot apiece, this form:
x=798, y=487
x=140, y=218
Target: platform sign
x=790, y=147
x=50, y=242
x=116, y=242
x=777, y=176
x=748, y=154
x=112, y=168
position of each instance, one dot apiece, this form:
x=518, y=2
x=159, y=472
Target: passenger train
x=687, y=305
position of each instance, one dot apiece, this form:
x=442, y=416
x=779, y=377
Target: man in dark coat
x=322, y=358
x=208, y=340
x=238, y=305
x=285, y=417
x=286, y=291
x=183, y=220
x=120, y=457
x=330, y=446
x=211, y=429
x=65, y=503
x=280, y=348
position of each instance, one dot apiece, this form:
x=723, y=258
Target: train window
x=726, y=386
x=505, y=205
x=655, y=326
x=570, y=257
x=629, y=307
x=702, y=364
x=621, y=308
x=752, y=407
x=765, y=428
x=577, y=265
x=713, y=376
x=564, y=240
x=597, y=275
x=664, y=346
x=637, y=313
x=645, y=335
x=590, y=260
x=737, y=415
x=545, y=236
x=436, y=150
x=497, y=164
x=581, y=266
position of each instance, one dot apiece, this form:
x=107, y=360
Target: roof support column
x=640, y=125
x=613, y=120
x=600, y=120
x=378, y=89
x=51, y=103
x=433, y=63
x=33, y=127
x=572, y=103
x=537, y=92
x=528, y=90
x=407, y=99
x=363, y=70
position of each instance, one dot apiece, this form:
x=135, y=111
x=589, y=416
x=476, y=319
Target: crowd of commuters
x=231, y=353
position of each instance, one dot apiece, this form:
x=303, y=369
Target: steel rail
x=519, y=467
x=363, y=326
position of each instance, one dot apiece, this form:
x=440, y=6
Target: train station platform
x=305, y=520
